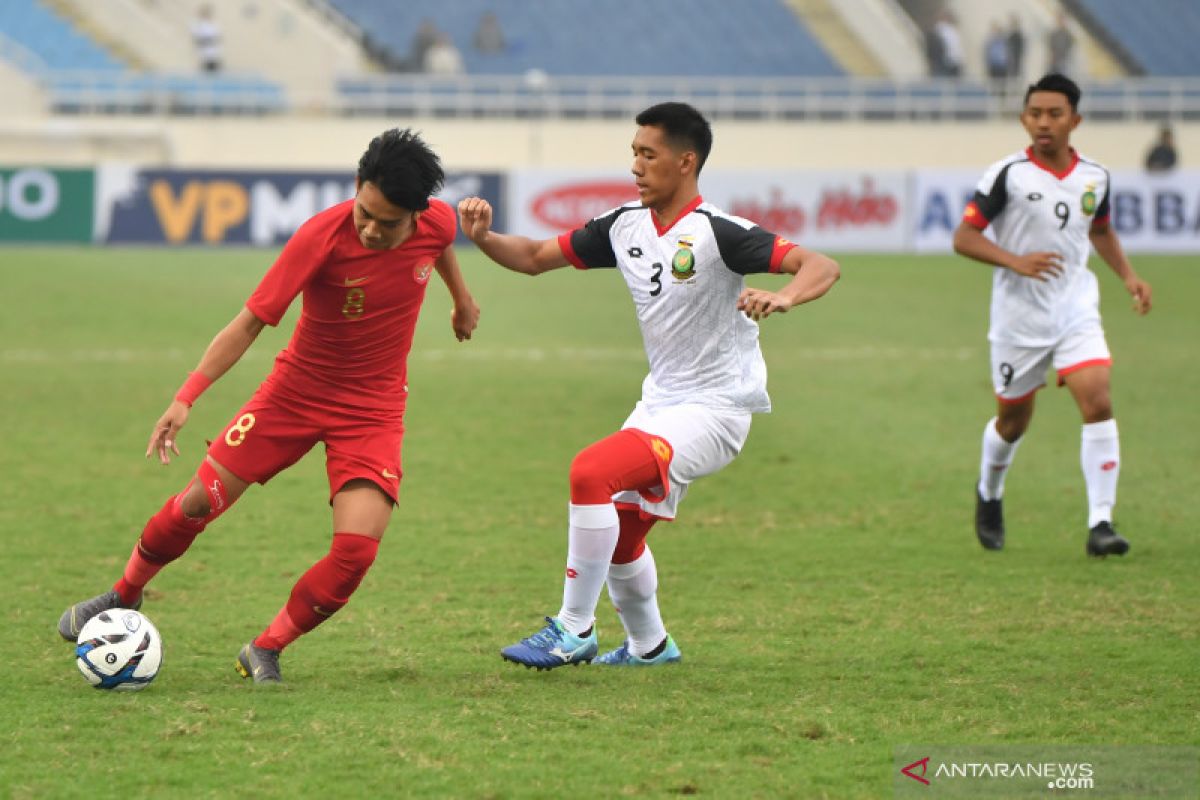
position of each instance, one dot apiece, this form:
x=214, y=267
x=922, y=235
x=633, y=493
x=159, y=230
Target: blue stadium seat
x=651, y=37
x=1159, y=35
x=51, y=38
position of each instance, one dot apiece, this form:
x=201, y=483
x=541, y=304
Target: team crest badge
x=1088, y=201
x=683, y=263
x=422, y=272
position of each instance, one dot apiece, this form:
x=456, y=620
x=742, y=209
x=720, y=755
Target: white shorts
x=1018, y=372
x=703, y=440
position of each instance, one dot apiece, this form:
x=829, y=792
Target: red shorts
x=271, y=432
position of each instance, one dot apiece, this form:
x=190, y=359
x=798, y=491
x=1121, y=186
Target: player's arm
x=813, y=274
x=969, y=241
x=464, y=317
x=1108, y=246
x=225, y=350
x=518, y=253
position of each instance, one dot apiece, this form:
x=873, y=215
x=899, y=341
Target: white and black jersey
x=685, y=280
x=1032, y=208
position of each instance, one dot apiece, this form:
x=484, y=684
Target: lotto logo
x=571, y=573
x=1108, y=466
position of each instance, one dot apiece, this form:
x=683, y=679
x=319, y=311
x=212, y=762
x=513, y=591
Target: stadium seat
x=1159, y=36
x=757, y=37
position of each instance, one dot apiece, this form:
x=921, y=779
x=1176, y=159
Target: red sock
x=321, y=591
x=167, y=536
x=632, y=538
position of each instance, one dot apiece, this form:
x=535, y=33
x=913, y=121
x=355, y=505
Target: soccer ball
x=119, y=649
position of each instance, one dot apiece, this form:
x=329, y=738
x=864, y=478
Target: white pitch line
x=472, y=352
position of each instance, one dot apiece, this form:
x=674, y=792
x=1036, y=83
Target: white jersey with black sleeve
x=1032, y=208
x=685, y=279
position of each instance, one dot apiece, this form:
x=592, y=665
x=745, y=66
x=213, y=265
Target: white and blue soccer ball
x=119, y=649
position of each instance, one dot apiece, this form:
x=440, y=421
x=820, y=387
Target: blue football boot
x=552, y=647
x=621, y=657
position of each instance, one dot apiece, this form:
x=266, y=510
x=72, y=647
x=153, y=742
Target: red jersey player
x=362, y=267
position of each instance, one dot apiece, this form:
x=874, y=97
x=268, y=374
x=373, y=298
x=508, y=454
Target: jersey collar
x=1059, y=175
x=689, y=208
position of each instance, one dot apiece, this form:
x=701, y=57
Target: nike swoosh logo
x=389, y=475
x=322, y=611
x=355, y=281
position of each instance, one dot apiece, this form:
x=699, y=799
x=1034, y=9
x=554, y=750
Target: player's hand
x=475, y=217
x=759, y=303
x=1039, y=266
x=1140, y=291
x=162, y=438
x=464, y=320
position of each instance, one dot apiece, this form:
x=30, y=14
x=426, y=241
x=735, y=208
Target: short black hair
x=406, y=171
x=686, y=128
x=1054, y=82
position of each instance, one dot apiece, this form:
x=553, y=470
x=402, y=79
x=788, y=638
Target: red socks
x=167, y=536
x=169, y=533
x=321, y=591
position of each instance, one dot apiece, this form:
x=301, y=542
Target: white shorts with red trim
x=703, y=441
x=1018, y=372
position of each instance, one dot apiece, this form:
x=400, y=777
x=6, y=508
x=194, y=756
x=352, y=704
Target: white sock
x=993, y=466
x=633, y=589
x=591, y=540
x=1100, y=457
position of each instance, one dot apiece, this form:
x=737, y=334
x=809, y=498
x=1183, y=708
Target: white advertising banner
x=1151, y=213
x=825, y=210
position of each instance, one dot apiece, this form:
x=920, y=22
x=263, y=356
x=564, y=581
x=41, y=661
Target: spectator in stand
x=1163, y=156
x=946, y=29
x=1016, y=47
x=206, y=35
x=426, y=36
x=443, y=58
x=933, y=52
x=489, y=36
x=995, y=56
x=1061, y=44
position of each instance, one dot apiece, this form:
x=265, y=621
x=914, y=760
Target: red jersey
x=350, y=346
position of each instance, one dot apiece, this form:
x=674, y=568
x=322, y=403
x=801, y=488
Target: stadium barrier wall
x=860, y=210
x=499, y=145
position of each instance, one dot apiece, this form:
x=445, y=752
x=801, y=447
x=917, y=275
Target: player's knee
x=1097, y=407
x=1012, y=428
x=351, y=554
x=590, y=481
x=194, y=502
x=354, y=552
x=206, y=497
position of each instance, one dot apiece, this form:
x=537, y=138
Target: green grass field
x=826, y=589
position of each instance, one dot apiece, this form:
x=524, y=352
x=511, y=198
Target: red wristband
x=192, y=388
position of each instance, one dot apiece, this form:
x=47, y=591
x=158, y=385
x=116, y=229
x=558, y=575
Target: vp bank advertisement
x=178, y=207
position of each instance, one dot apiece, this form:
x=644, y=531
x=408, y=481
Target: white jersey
x=1031, y=208
x=685, y=280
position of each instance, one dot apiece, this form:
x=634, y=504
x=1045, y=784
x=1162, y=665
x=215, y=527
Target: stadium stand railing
x=787, y=98
x=82, y=92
